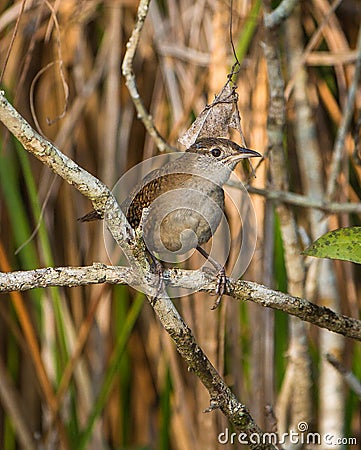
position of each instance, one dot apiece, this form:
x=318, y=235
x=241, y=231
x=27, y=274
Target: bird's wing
x=154, y=184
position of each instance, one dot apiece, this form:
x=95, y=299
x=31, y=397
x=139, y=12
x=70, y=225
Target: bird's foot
x=160, y=288
x=223, y=282
x=221, y=288
x=158, y=270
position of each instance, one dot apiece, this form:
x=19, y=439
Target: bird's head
x=222, y=150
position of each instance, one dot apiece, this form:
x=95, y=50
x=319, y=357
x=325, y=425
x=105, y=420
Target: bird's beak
x=242, y=153
x=247, y=153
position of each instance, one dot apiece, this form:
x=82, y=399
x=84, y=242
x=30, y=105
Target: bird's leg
x=158, y=269
x=222, y=284
x=155, y=265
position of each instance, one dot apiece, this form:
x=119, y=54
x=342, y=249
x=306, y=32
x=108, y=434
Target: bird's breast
x=183, y=211
x=181, y=219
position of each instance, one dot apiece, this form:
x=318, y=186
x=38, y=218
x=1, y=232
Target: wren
x=185, y=201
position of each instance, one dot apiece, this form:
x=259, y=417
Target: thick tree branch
x=193, y=279
x=101, y=197
x=105, y=203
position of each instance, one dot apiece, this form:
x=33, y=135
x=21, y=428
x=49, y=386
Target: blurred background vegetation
x=91, y=367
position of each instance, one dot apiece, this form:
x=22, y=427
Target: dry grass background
x=91, y=367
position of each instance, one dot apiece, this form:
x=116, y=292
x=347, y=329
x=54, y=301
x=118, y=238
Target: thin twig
x=277, y=16
x=13, y=406
x=15, y=32
x=350, y=378
x=306, y=56
x=305, y=201
x=348, y=109
x=128, y=73
x=298, y=366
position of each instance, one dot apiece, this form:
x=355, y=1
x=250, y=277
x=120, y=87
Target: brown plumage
x=150, y=191
x=185, y=199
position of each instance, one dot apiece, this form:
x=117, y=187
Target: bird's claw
x=159, y=290
x=158, y=270
x=221, y=288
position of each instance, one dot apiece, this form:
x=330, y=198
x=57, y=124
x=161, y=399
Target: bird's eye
x=215, y=152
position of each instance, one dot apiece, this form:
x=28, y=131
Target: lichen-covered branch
x=105, y=203
x=193, y=279
x=101, y=197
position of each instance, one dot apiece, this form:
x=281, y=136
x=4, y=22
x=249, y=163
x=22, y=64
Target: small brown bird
x=185, y=201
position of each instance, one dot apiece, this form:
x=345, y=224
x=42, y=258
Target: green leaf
x=344, y=243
